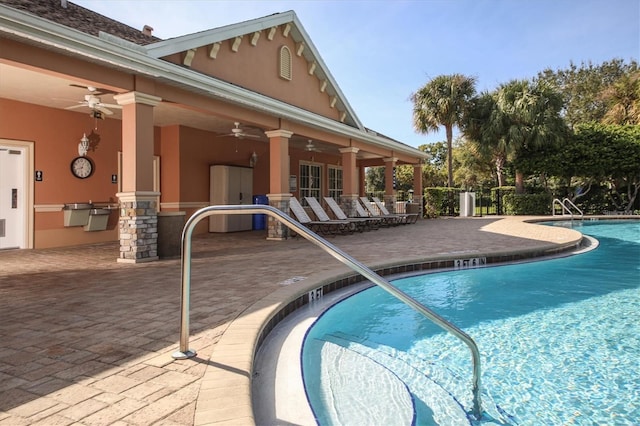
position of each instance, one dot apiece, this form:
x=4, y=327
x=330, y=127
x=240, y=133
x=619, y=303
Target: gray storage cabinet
x=230, y=185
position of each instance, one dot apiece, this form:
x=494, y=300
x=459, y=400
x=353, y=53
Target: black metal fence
x=445, y=202
x=487, y=202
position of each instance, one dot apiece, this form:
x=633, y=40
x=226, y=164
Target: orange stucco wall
x=257, y=68
x=56, y=134
x=186, y=157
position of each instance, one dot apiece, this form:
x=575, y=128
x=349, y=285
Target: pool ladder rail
x=184, y=351
x=566, y=206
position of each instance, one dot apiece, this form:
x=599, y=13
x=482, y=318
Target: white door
x=13, y=197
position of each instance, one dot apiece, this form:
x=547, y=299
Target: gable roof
x=122, y=47
x=77, y=17
x=295, y=29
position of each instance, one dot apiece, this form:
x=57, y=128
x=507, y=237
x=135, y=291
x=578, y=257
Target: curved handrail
x=566, y=201
x=185, y=352
x=564, y=208
x=563, y=204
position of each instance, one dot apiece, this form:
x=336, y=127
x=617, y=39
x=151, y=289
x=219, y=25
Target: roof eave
x=122, y=56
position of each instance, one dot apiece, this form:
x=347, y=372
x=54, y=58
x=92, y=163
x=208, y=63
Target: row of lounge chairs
x=367, y=217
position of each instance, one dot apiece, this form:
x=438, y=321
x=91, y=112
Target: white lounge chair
x=331, y=227
x=363, y=220
x=321, y=215
x=386, y=220
x=406, y=217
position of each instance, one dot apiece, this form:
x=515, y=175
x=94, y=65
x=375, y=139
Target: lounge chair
x=321, y=215
x=363, y=221
x=330, y=227
x=407, y=217
x=369, y=211
x=379, y=221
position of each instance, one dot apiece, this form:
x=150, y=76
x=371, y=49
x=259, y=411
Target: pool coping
x=225, y=395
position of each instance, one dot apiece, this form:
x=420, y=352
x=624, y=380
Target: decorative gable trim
x=235, y=46
x=188, y=57
x=213, y=50
x=286, y=30
x=272, y=33
x=254, y=38
x=288, y=24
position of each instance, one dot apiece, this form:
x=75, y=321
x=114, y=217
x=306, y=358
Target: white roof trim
x=180, y=44
x=203, y=38
x=118, y=55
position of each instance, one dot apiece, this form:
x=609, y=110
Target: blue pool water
x=559, y=342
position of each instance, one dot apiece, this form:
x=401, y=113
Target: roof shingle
x=79, y=18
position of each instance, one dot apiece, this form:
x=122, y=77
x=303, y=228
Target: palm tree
x=519, y=115
x=442, y=102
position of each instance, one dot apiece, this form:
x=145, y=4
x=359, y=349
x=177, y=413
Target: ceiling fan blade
x=81, y=105
x=116, y=106
x=96, y=90
x=103, y=110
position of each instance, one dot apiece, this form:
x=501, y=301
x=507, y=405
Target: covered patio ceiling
x=60, y=92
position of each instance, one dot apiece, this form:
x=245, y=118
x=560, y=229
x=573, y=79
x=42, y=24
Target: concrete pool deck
x=86, y=340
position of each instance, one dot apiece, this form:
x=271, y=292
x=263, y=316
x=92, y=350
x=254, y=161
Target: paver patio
x=88, y=341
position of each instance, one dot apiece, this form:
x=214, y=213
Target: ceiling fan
x=93, y=102
x=240, y=133
x=311, y=147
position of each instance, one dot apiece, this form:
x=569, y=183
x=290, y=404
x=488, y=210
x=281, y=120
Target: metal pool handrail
x=184, y=351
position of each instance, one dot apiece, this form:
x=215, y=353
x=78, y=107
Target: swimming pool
x=559, y=342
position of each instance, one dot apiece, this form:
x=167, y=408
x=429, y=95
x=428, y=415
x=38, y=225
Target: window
x=335, y=182
x=285, y=63
x=310, y=179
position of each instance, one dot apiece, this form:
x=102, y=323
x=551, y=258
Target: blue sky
x=380, y=52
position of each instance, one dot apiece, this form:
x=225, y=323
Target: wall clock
x=81, y=167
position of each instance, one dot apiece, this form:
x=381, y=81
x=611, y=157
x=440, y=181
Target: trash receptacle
x=170, y=225
x=260, y=220
x=467, y=204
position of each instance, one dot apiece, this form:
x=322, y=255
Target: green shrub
x=527, y=204
x=438, y=202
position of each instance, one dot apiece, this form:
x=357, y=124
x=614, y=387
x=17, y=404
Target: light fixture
x=253, y=159
x=83, y=146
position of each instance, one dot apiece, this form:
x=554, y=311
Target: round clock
x=81, y=167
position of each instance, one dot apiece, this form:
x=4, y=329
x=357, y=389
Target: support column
x=138, y=221
x=279, y=195
x=389, y=190
x=349, y=182
x=418, y=196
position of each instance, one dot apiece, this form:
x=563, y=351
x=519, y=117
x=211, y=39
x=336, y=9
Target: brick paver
x=86, y=340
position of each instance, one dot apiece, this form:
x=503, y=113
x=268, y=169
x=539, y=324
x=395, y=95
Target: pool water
x=559, y=342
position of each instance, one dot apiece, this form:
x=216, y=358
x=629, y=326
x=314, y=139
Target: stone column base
x=390, y=203
x=138, y=225
x=276, y=230
x=348, y=204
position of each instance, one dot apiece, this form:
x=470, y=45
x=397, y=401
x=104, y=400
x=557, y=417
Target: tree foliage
x=443, y=102
x=569, y=132
x=518, y=116
x=582, y=87
x=623, y=100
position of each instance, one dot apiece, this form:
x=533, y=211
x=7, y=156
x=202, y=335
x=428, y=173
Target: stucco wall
x=56, y=134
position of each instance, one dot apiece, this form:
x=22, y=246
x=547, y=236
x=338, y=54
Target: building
x=104, y=127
